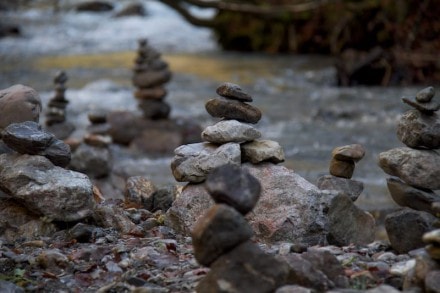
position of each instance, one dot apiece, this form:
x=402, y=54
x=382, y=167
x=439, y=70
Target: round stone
x=425, y=95
x=230, y=109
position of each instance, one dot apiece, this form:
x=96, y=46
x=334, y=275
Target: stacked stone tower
x=151, y=73
x=416, y=172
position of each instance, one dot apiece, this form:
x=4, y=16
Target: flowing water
x=302, y=108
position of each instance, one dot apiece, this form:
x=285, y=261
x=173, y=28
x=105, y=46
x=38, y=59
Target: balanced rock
x=246, y=268
x=415, y=198
x=193, y=162
x=419, y=130
x=424, y=101
x=232, y=185
x=262, y=150
x=230, y=109
x=352, y=188
x=352, y=152
x=230, y=131
x=45, y=189
x=419, y=168
x=218, y=231
x=343, y=169
x=19, y=103
x=233, y=91
x=416, y=224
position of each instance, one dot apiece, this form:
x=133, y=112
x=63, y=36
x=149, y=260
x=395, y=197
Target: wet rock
x=401, y=162
x=245, y=269
x=139, y=192
x=236, y=110
x=29, y=138
x=96, y=162
x=46, y=189
x=419, y=130
x=193, y=162
x=416, y=223
x=258, y=151
x=218, y=231
x=19, y=103
x=289, y=209
x=94, y=6
x=342, y=169
x=412, y=197
x=352, y=152
x=230, y=131
x=352, y=188
x=432, y=282
x=303, y=273
x=348, y=224
x=232, y=185
x=233, y=91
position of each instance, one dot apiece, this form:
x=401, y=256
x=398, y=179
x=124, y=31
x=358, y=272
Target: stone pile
x=416, y=172
x=290, y=207
x=56, y=113
x=150, y=75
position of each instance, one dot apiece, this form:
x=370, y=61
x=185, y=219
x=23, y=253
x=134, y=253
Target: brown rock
x=342, y=169
x=352, y=152
x=230, y=109
x=149, y=79
x=155, y=93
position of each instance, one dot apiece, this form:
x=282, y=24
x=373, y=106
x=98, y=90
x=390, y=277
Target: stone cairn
x=222, y=237
x=150, y=75
x=416, y=174
x=56, y=112
x=229, y=141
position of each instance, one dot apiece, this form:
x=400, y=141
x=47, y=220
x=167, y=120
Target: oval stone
x=229, y=109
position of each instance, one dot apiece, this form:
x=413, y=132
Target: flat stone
x=293, y=289
x=218, y=231
x=230, y=131
x=352, y=152
x=245, y=269
x=231, y=185
x=412, y=197
x=45, y=189
x=349, y=224
x=233, y=91
x=352, y=188
x=416, y=224
x=155, y=93
x=230, y=109
x=193, y=162
x=262, y=150
x=427, y=108
x=419, y=130
x=19, y=103
x=342, y=169
x=419, y=168
x=27, y=137
x=151, y=78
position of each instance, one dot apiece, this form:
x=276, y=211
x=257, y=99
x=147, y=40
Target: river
x=302, y=108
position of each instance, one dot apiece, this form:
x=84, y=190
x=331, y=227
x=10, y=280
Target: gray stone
x=419, y=130
x=230, y=131
x=411, y=197
x=425, y=95
x=233, y=91
x=232, y=185
x=352, y=188
x=230, y=109
x=245, y=269
x=19, y=103
x=289, y=209
x=259, y=151
x=348, y=224
x=423, y=101
x=218, y=231
x=419, y=168
x=58, y=153
x=45, y=189
x=193, y=162
x=94, y=161
x=416, y=224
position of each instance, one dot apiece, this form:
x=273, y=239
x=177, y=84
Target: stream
x=302, y=108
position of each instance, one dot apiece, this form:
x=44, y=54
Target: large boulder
x=46, y=189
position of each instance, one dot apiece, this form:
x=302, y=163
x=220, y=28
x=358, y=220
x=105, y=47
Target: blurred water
x=302, y=108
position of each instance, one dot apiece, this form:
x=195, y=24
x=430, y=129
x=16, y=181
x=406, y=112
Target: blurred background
x=324, y=73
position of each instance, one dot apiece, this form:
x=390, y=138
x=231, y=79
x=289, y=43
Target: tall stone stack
x=222, y=237
x=56, y=112
x=416, y=172
x=150, y=75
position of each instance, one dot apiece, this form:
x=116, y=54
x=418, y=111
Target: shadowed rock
x=229, y=109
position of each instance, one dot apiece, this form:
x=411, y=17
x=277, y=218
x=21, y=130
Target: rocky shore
x=242, y=222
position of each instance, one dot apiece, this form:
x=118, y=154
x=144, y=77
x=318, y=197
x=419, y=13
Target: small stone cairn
x=222, y=237
x=232, y=140
x=150, y=75
x=416, y=172
x=56, y=112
